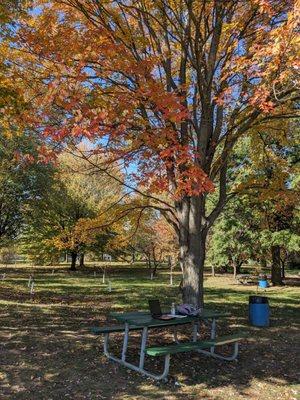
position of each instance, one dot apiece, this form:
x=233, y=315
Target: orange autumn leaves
x=103, y=84
x=104, y=94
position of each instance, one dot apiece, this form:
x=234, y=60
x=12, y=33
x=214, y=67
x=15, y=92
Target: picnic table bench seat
x=192, y=346
x=204, y=346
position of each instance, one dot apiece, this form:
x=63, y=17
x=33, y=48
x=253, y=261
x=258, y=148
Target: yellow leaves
x=267, y=169
x=87, y=196
x=102, y=76
x=12, y=103
x=10, y=8
x=74, y=237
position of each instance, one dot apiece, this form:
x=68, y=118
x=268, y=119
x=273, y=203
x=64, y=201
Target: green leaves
x=20, y=182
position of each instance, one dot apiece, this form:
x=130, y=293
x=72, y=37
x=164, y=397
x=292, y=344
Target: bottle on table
x=173, y=309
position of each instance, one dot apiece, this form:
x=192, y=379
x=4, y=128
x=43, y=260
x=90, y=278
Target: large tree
x=168, y=86
x=235, y=237
x=253, y=229
x=262, y=223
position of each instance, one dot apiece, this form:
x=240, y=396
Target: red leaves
x=265, y=6
x=97, y=89
x=173, y=170
x=46, y=155
x=261, y=100
x=193, y=181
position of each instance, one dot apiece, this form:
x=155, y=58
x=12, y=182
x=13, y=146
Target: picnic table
x=143, y=321
x=247, y=279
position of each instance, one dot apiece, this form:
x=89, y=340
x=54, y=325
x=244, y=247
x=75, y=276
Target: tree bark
x=276, y=277
x=73, y=260
x=193, y=266
x=155, y=263
x=213, y=270
x=192, y=240
x=282, y=269
x=171, y=264
x=236, y=268
x=132, y=258
x=154, y=270
x=283, y=262
x=104, y=274
x=81, y=260
x=150, y=266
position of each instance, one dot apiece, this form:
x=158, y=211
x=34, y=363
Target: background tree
x=142, y=232
x=255, y=230
x=167, y=86
x=22, y=181
x=263, y=223
x=235, y=237
x=156, y=241
x=59, y=220
x=281, y=233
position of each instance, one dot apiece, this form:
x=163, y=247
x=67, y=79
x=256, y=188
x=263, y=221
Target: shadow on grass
x=47, y=351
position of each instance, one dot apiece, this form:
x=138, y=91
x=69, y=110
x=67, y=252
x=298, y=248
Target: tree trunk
x=73, y=260
x=193, y=266
x=276, y=277
x=150, y=267
x=104, y=274
x=154, y=269
x=213, y=270
x=132, y=258
x=283, y=261
x=81, y=260
x=192, y=240
x=236, y=268
x=283, y=270
x=155, y=263
x=171, y=264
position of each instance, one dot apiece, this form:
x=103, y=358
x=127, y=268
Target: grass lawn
x=47, y=351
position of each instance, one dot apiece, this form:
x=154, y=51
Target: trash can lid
x=258, y=300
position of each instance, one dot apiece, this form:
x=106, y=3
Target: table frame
x=144, y=336
x=139, y=368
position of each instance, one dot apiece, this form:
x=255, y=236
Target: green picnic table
x=143, y=321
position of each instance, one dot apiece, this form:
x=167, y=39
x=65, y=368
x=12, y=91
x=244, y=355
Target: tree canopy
x=167, y=88
x=21, y=181
x=62, y=218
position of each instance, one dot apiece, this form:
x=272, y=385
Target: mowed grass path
x=47, y=351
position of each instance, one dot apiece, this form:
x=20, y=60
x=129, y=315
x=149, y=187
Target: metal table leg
x=125, y=341
x=213, y=333
x=140, y=367
x=213, y=329
x=143, y=346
